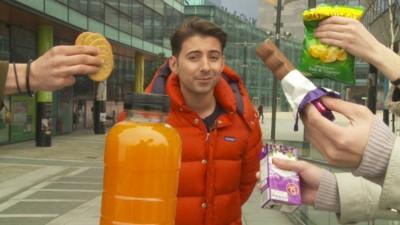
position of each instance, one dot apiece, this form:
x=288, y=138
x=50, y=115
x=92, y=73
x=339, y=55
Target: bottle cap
x=147, y=102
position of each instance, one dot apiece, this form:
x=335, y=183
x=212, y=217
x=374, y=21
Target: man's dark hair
x=196, y=26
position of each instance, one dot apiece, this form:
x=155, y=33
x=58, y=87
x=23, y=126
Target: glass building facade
x=133, y=27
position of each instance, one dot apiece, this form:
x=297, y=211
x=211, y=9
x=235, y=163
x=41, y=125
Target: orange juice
x=142, y=160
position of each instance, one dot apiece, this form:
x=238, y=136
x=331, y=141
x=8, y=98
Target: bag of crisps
x=325, y=61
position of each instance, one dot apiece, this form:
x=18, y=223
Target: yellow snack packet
x=323, y=61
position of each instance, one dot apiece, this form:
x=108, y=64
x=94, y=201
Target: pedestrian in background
x=261, y=112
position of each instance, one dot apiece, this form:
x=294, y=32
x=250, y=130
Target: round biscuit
x=92, y=37
x=106, y=54
x=79, y=40
x=106, y=68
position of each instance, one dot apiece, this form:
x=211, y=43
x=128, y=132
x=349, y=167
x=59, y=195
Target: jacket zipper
x=207, y=137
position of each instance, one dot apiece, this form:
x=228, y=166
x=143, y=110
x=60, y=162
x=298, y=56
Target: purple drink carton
x=279, y=188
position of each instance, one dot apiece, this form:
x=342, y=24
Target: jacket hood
x=229, y=91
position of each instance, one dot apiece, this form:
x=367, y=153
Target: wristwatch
x=396, y=82
x=396, y=90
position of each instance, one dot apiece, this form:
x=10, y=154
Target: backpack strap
x=161, y=79
x=235, y=88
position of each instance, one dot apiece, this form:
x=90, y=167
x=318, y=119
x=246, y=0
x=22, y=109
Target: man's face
x=199, y=65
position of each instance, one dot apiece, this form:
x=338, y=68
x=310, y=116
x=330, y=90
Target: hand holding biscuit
x=58, y=66
x=100, y=42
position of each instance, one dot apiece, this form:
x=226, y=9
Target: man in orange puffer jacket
x=221, y=137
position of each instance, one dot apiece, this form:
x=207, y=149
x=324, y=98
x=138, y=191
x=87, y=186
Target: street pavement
x=62, y=185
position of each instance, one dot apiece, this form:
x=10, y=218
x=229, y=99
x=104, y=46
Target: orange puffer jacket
x=218, y=169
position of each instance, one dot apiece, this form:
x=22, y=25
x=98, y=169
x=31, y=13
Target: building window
x=80, y=6
x=23, y=43
x=137, y=19
x=148, y=25
x=172, y=19
x=111, y=16
x=125, y=6
x=158, y=29
x=96, y=10
x=125, y=24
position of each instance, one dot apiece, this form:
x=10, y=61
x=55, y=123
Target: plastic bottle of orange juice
x=142, y=161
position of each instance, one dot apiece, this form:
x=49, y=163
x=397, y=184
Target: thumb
x=292, y=165
x=347, y=109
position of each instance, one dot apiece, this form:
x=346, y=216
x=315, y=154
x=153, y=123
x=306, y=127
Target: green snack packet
x=325, y=61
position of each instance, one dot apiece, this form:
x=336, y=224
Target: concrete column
x=44, y=99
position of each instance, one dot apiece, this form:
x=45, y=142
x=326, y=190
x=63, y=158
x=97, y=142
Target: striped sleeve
x=377, y=153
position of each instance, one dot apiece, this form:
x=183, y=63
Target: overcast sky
x=248, y=7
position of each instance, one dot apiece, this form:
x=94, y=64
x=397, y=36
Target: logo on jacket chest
x=229, y=139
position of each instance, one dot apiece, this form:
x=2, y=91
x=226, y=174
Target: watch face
x=396, y=94
x=395, y=82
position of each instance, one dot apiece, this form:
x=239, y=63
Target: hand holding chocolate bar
x=341, y=146
x=299, y=91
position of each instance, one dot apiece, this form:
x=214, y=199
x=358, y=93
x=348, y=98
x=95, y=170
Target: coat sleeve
x=250, y=163
x=359, y=200
x=390, y=197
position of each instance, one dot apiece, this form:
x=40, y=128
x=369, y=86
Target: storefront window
x=22, y=123
x=23, y=45
x=4, y=42
x=4, y=55
x=129, y=76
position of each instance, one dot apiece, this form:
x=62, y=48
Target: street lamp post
x=245, y=44
x=311, y=4
x=275, y=81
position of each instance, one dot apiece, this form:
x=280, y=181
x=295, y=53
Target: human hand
x=58, y=66
x=310, y=177
x=351, y=35
x=341, y=146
